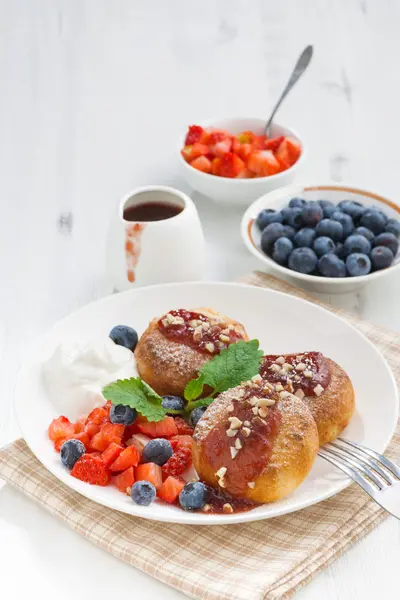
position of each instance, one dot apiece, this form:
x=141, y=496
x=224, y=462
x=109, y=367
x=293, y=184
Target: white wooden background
x=93, y=96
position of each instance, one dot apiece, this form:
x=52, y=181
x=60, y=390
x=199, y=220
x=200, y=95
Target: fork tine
x=359, y=456
x=379, y=457
x=359, y=466
x=352, y=473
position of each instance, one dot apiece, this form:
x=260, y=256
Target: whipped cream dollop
x=75, y=375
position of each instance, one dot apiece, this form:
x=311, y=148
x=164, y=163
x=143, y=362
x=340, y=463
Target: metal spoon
x=302, y=63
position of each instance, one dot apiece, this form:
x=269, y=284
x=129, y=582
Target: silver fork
x=376, y=474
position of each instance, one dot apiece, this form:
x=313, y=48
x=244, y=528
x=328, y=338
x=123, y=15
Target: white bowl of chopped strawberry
x=232, y=160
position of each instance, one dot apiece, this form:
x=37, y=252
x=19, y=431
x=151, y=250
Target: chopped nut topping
x=246, y=423
x=230, y=408
x=224, y=338
x=235, y=422
x=197, y=334
x=263, y=412
x=238, y=444
x=318, y=390
x=222, y=483
x=227, y=508
x=308, y=374
x=257, y=378
x=265, y=402
x=299, y=357
x=246, y=431
x=165, y=322
x=275, y=368
x=282, y=371
x=221, y=472
x=287, y=367
x=209, y=347
x=233, y=452
x=284, y=394
x=206, y=508
x=231, y=432
x=301, y=367
x=194, y=323
x=253, y=401
x=280, y=360
x=297, y=378
x=255, y=410
x=231, y=327
x=279, y=387
x=205, y=325
x=300, y=394
x=268, y=387
x=251, y=484
x=225, y=331
x=170, y=318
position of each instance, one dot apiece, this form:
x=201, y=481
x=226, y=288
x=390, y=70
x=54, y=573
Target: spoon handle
x=302, y=63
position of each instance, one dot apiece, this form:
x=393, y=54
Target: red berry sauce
x=310, y=370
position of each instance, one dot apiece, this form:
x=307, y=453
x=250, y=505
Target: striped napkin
x=252, y=561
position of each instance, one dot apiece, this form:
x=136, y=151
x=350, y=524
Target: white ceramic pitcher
x=150, y=252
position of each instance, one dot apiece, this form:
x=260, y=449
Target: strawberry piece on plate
x=245, y=173
x=198, y=150
x=91, y=469
x=170, y=489
x=216, y=166
x=128, y=458
x=181, y=440
x=80, y=425
x=149, y=472
x=165, y=428
x=178, y=463
x=91, y=429
x=182, y=426
x=111, y=453
x=274, y=143
x=61, y=428
x=288, y=152
x=112, y=432
x=222, y=147
x=125, y=480
x=258, y=142
x=98, y=443
x=242, y=149
x=202, y=163
x=263, y=163
x=82, y=437
x=231, y=165
x=98, y=416
x=194, y=134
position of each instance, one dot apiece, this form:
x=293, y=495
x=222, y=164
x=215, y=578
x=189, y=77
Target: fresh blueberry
x=303, y=260
x=271, y=233
x=292, y=217
x=267, y=216
x=358, y=264
x=328, y=208
x=70, y=452
x=296, y=203
x=312, y=213
x=381, y=257
x=157, y=451
x=387, y=239
x=193, y=496
x=352, y=208
x=305, y=237
x=374, y=220
x=122, y=335
x=367, y=233
x=196, y=415
x=330, y=228
x=378, y=210
x=124, y=415
x=281, y=250
x=330, y=265
x=340, y=251
x=289, y=232
x=345, y=220
x=393, y=226
x=172, y=403
x=357, y=244
x=143, y=493
x=323, y=245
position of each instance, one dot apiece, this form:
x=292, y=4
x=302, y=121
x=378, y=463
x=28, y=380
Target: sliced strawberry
x=294, y=149
x=80, y=425
x=112, y=432
x=124, y=480
x=61, y=428
x=111, y=453
x=187, y=153
x=82, y=437
x=91, y=429
x=182, y=426
x=274, y=143
x=96, y=454
x=149, y=472
x=139, y=441
x=98, y=443
x=165, y=428
x=221, y=148
x=259, y=142
x=182, y=440
x=194, y=134
x=107, y=407
x=91, y=469
x=231, y=165
x=288, y=152
x=170, y=489
x=178, y=463
x=213, y=136
x=98, y=415
x=128, y=458
x=198, y=150
x=58, y=443
x=242, y=150
x=245, y=173
x=246, y=137
x=202, y=163
x=216, y=166
x=263, y=163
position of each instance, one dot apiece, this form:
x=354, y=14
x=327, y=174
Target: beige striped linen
x=252, y=561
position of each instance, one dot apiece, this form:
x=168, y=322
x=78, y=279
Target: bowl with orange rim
x=335, y=193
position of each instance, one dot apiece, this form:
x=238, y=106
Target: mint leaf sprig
x=231, y=367
x=137, y=394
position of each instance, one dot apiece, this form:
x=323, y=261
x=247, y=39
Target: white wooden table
x=93, y=97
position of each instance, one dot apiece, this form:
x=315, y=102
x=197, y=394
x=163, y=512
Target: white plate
x=282, y=323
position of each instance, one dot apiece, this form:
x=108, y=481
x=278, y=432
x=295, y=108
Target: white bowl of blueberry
x=329, y=238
